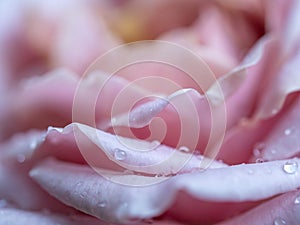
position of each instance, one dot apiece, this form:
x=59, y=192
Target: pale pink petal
x=15, y=184
x=14, y=216
x=227, y=30
x=99, y=96
x=290, y=31
x=39, y=102
x=284, y=209
x=82, y=188
x=284, y=81
x=116, y=152
x=281, y=64
x=38, y=36
x=199, y=124
x=276, y=13
x=238, y=81
x=142, y=115
x=283, y=140
x=239, y=142
x=219, y=62
x=232, y=81
x=84, y=28
x=260, y=140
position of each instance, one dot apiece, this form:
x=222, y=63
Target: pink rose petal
x=38, y=102
x=14, y=216
x=82, y=188
x=283, y=140
x=278, y=86
x=284, y=209
x=15, y=184
x=282, y=60
x=48, y=100
x=101, y=149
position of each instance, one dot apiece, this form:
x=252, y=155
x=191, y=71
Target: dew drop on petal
x=260, y=160
x=21, y=158
x=120, y=154
x=33, y=145
x=269, y=171
x=290, y=167
x=297, y=200
x=250, y=172
x=159, y=175
x=184, y=149
x=258, y=148
x=274, y=111
x=273, y=151
x=279, y=221
x=102, y=204
x=58, y=129
x=83, y=194
x=287, y=132
x=79, y=184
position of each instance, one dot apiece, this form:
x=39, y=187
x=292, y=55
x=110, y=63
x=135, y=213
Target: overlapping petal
x=105, y=198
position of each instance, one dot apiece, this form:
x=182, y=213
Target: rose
x=80, y=187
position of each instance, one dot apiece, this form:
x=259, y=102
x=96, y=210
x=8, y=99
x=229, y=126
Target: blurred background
x=39, y=37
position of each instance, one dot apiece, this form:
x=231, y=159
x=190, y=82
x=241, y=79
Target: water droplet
x=21, y=158
x=269, y=171
x=297, y=200
x=250, y=172
x=83, y=194
x=279, y=221
x=260, y=160
x=287, y=132
x=258, y=148
x=120, y=155
x=198, y=155
x=3, y=203
x=290, y=167
x=102, y=204
x=184, y=149
x=79, y=183
x=58, y=129
x=274, y=111
x=33, y=145
x=273, y=151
